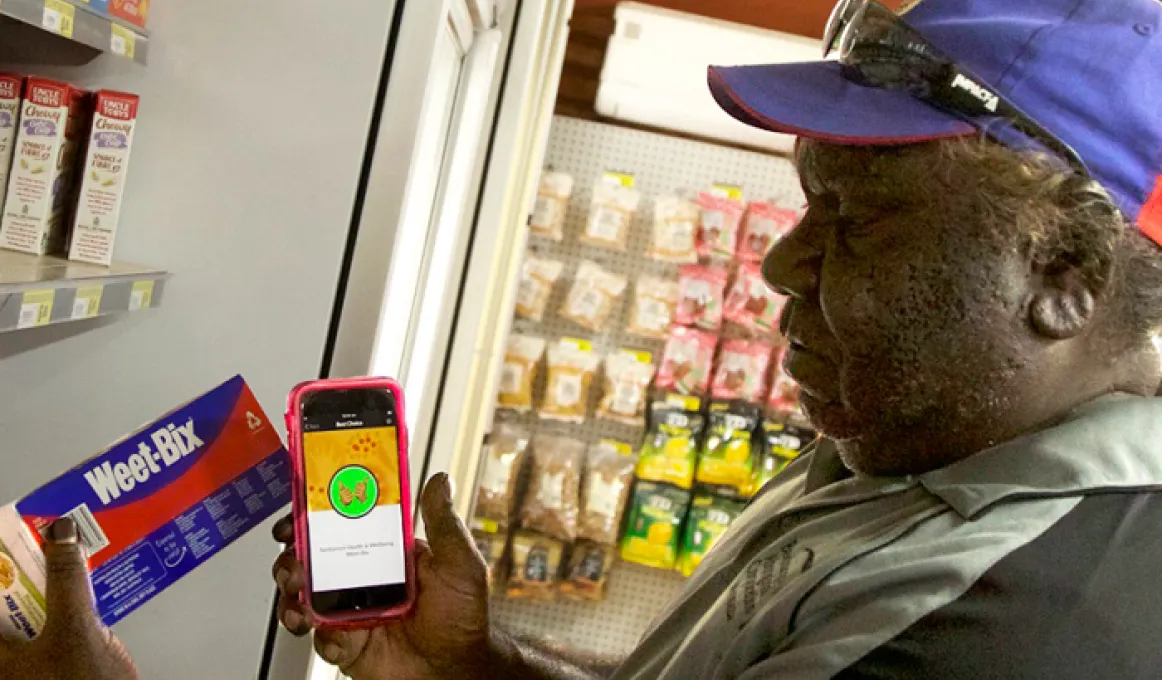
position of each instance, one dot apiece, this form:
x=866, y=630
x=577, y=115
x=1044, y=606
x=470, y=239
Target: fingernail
x=64, y=531
x=447, y=482
x=331, y=652
x=281, y=578
x=292, y=619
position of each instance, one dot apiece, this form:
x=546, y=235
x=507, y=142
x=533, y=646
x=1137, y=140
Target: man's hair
x=1067, y=220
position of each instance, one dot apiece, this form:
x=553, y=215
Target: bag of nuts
x=504, y=455
x=605, y=491
x=553, y=499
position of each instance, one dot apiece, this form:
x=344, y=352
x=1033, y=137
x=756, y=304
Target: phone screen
x=354, y=517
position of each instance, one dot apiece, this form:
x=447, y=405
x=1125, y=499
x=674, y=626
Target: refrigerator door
x=414, y=214
x=467, y=399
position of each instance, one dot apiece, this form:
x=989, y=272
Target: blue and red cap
x=1089, y=71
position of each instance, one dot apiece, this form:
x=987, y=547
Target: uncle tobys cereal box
x=11, y=90
x=151, y=508
x=103, y=177
x=52, y=120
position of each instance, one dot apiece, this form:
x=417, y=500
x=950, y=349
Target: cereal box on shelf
x=151, y=508
x=135, y=12
x=52, y=117
x=103, y=177
x=11, y=89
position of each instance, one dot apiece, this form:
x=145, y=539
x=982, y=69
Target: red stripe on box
x=1150, y=220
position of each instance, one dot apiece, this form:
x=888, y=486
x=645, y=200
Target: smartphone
x=352, y=501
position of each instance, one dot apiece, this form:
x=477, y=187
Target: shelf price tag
x=142, y=295
x=36, y=308
x=58, y=17
x=122, y=41
x=88, y=302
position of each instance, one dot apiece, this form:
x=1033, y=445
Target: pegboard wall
x=660, y=165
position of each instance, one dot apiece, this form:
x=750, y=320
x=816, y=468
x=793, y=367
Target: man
x=975, y=289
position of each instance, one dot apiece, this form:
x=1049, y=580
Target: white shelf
x=77, y=21
x=39, y=291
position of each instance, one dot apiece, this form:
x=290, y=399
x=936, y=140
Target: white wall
x=254, y=119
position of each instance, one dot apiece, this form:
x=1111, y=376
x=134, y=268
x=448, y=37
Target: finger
x=69, y=594
x=451, y=543
x=284, y=530
x=341, y=647
x=289, y=574
x=294, y=616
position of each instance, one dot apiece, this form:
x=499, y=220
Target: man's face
x=907, y=321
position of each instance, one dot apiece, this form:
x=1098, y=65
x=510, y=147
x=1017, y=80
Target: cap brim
x=814, y=100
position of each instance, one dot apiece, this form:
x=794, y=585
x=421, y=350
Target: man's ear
x=1064, y=303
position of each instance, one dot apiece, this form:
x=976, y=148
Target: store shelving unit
x=76, y=21
x=38, y=291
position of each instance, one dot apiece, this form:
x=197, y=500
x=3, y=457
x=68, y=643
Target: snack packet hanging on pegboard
x=675, y=235
x=503, y=457
x=553, y=498
x=608, y=477
x=538, y=276
x=627, y=380
x=593, y=296
x=572, y=366
x=611, y=215
x=655, y=519
x=764, y=225
x=719, y=222
x=687, y=361
x=553, y=194
x=700, y=297
x=742, y=370
x=536, y=566
x=669, y=452
x=519, y=372
x=655, y=301
x=588, y=570
x=729, y=455
x=751, y=304
x=708, y=521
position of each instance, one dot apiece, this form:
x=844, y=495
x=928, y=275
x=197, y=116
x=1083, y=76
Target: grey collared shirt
x=990, y=567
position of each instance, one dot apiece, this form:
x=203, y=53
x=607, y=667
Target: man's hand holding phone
x=446, y=634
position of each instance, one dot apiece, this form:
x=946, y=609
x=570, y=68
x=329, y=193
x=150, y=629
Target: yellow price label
x=87, y=304
x=640, y=357
x=36, y=308
x=578, y=344
x=122, y=41
x=486, y=525
x=727, y=191
x=141, y=297
x=58, y=17
x=621, y=179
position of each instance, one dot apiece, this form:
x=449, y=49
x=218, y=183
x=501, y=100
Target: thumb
x=69, y=593
x=451, y=543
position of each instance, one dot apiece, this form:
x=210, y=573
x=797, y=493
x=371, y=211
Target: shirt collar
x=1112, y=443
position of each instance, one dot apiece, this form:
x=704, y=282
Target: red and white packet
x=687, y=361
x=742, y=370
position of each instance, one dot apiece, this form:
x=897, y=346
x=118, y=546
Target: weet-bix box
x=151, y=508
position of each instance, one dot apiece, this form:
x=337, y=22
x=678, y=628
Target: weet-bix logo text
x=170, y=444
x=990, y=100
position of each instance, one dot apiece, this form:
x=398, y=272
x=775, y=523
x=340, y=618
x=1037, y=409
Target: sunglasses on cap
x=877, y=48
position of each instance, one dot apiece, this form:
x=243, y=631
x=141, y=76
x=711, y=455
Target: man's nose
x=792, y=266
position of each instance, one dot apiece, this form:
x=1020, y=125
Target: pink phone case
x=360, y=619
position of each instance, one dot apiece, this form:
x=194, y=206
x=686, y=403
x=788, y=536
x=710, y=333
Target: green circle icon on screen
x=354, y=491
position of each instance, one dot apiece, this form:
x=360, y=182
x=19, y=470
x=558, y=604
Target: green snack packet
x=728, y=457
x=655, y=520
x=710, y=517
x=784, y=442
x=670, y=450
